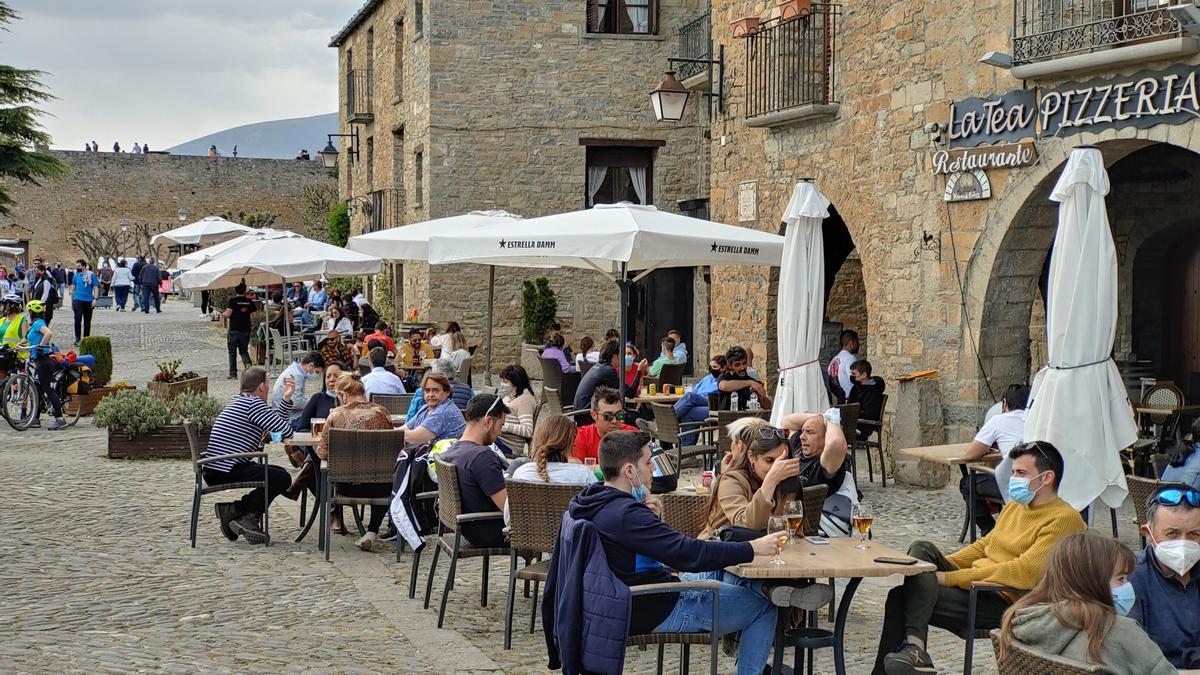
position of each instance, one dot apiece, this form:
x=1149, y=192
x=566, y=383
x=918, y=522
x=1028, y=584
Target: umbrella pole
x=623, y=283
x=487, y=373
x=287, y=321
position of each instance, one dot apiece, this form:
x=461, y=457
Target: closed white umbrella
x=210, y=230
x=801, y=307
x=1079, y=403
x=198, y=258
x=268, y=260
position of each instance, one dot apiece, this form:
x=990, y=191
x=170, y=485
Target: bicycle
x=22, y=398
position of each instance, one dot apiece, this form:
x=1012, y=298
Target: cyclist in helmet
x=13, y=322
x=39, y=337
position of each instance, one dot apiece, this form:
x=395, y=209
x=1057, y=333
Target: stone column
x=918, y=422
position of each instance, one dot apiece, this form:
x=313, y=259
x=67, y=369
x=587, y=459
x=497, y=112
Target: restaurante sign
x=1142, y=100
x=993, y=157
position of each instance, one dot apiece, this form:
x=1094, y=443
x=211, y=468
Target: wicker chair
x=554, y=404
x=814, y=502
x=725, y=418
x=1160, y=461
x=684, y=512
x=450, y=520
x=671, y=374
x=667, y=429
x=535, y=514
x=396, y=404
x=585, y=366
x=364, y=457
x=1162, y=396
x=874, y=430
x=203, y=488
x=1020, y=659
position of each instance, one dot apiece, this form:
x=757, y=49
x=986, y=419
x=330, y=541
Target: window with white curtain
x=619, y=174
x=622, y=16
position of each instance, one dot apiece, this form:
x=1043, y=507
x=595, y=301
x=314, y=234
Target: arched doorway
x=1153, y=209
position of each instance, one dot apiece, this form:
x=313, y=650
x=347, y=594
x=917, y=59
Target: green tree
x=539, y=308
x=338, y=224
x=21, y=139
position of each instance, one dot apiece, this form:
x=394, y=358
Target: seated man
x=305, y=376
x=379, y=380
x=606, y=373
x=460, y=393
x=680, y=352
x=1166, y=580
x=1002, y=432
x=820, y=444
x=637, y=543
x=1013, y=554
x=839, y=365
x=867, y=392
x=736, y=381
x=413, y=352
x=380, y=335
x=692, y=407
x=480, y=469
x=333, y=349
x=665, y=357
x=318, y=298
x=240, y=428
x=607, y=415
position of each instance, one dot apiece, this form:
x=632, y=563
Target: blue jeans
x=122, y=293
x=743, y=607
x=691, y=408
x=149, y=292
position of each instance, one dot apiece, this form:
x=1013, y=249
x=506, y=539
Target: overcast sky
x=168, y=71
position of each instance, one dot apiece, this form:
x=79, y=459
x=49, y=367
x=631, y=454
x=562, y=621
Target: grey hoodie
x=1127, y=650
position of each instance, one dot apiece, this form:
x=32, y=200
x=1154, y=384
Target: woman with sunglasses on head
x=753, y=488
x=1078, y=610
x=550, y=457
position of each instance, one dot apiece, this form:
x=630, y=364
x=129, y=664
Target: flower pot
x=745, y=26
x=87, y=402
x=794, y=9
x=168, y=390
x=165, y=443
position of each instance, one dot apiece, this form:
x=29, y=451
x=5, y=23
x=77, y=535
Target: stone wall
x=105, y=188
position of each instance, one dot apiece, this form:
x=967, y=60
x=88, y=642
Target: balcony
x=1055, y=37
x=381, y=209
x=790, y=72
x=695, y=42
x=359, y=101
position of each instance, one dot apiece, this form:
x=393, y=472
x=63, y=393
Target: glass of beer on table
x=793, y=512
x=861, y=519
x=778, y=524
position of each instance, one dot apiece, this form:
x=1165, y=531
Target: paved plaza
x=98, y=575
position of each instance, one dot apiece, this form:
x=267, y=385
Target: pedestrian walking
x=106, y=277
x=238, y=312
x=149, y=278
x=83, y=298
x=43, y=288
x=136, y=271
x=60, y=281
x=137, y=149
x=122, y=281
x=116, y=146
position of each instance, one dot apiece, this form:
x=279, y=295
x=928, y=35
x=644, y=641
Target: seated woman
x=337, y=320
x=740, y=431
x=549, y=460
x=749, y=491
x=587, y=352
x=355, y=412
x=554, y=350
x=444, y=341
x=458, y=352
x=1078, y=610
x=320, y=404
x=517, y=392
x=1184, y=464
x=440, y=418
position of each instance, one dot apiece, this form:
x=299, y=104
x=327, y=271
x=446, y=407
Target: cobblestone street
x=99, y=577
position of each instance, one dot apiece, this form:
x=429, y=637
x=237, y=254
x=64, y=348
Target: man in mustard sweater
x=1013, y=554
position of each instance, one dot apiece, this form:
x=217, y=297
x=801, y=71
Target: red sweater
x=587, y=442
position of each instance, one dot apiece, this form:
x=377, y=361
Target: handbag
x=737, y=533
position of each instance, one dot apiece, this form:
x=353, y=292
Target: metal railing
x=359, y=101
x=695, y=42
x=1050, y=29
x=382, y=210
x=791, y=63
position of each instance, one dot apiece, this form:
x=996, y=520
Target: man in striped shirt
x=239, y=429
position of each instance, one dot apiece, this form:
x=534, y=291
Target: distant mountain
x=277, y=139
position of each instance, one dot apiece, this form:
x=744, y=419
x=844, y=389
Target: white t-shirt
x=560, y=473
x=1003, y=432
x=839, y=369
x=591, y=357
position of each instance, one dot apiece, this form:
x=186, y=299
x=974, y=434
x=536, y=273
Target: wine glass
x=794, y=513
x=778, y=524
x=861, y=519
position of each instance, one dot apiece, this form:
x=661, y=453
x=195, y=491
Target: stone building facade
x=504, y=105
x=957, y=286
x=103, y=189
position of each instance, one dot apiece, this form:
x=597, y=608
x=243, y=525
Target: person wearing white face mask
x=1166, y=579
x=518, y=396
x=307, y=375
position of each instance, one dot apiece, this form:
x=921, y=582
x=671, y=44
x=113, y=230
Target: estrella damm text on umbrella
x=527, y=243
x=731, y=248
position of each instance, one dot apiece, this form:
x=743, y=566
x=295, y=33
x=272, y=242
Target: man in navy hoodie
x=637, y=544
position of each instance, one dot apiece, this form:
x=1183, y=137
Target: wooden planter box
x=169, y=390
x=745, y=27
x=165, y=443
x=794, y=9
x=87, y=403
x=531, y=360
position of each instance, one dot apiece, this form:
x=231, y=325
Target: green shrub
x=337, y=225
x=539, y=309
x=132, y=412
x=200, y=409
x=100, y=347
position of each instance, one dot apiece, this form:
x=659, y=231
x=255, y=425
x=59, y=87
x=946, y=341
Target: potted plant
x=538, y=307
x=794, y=9
x=100, y=347
x=745, y=26
x=141, y=425
x=169, y=382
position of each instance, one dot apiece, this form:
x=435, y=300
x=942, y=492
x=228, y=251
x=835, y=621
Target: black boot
x=227, y=512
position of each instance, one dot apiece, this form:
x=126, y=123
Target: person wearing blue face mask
x=1079, y=610
x=1013, y=554
x=319, y=405
x=606, y=373
x=306, y=375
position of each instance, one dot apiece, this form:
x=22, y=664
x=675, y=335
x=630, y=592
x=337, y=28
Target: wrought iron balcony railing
x=695, y=42
x=1050, y=29
x=359, y=101
x=791, y=63
x=381, y=209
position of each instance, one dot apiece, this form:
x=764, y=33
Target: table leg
x=785, y=613
x=972, y=501
x=962, y=536
x=839, y=626
x=312, y=518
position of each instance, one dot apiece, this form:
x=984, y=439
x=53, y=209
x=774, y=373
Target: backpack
x=413, y=518
x=52, y=299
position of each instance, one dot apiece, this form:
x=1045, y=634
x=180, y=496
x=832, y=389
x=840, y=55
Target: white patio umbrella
x=801, y=305
x=411, y=242
x=613, y=239
x=198, y=258
x=11, y=251
x=1079, y=403
x=210, y=230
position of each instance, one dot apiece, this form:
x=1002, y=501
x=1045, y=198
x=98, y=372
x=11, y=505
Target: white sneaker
x=367, y=541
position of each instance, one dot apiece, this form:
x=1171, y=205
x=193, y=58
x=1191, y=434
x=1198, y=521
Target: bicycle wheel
x=71, y=418
x=19, y=401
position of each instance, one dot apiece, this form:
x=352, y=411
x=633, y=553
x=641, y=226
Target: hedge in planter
x=142, y=425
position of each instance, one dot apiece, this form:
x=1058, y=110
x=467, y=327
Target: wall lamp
x=670, y=97
x=329, y=154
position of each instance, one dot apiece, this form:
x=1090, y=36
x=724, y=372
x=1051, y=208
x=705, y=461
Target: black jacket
x=869, y=397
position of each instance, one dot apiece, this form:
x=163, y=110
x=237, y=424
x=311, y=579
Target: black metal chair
x=671, y=374
x=203, y=488
x=873, y=430
x=667, y=429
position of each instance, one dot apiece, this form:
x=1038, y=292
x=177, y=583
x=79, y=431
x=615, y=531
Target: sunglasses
x=1175, y=497
x=492, y=407
x=613, y=416
x=771, y=433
